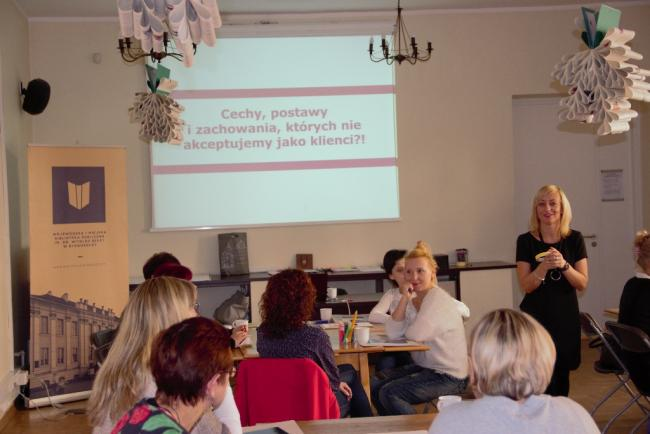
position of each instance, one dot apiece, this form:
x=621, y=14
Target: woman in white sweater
x=425, y=313
x=393, y=265
x=510, y=386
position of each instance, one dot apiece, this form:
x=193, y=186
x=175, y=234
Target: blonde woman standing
x=125, y=376
x=552, y=268
x=427, y=314
x=510, y=387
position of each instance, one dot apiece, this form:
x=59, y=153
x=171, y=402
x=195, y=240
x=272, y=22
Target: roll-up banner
x=78, y=251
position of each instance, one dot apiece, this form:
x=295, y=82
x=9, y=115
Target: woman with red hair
x=286, y=306
x=191, y=363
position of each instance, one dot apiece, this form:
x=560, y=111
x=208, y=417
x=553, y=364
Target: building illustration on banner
x=60, y=330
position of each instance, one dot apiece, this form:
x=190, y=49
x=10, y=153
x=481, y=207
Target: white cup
x=447, y=400
x=331, y=293
x=362, y=335
x=326, y=314
x=240, y=322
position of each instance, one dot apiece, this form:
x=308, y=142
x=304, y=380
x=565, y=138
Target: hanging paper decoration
x=602, y=80
x=157, y=112
x=187, y=21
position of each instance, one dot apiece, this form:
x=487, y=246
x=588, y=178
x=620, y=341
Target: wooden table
x=364, y=425
x=358, y=425
x=355, y=355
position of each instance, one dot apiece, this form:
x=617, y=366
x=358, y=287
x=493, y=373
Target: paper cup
x=331, y=293
x=447, y=400
x=326, y=314
x=240, y=322
x=362, y=335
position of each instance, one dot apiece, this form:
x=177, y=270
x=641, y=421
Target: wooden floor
x=587, y=387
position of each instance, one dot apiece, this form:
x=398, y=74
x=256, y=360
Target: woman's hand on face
x=345, y=389
x=406, y=290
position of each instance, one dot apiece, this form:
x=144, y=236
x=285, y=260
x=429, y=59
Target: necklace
x=168, y=411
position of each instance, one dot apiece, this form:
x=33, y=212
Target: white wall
x=15, y=132
x=454, y=133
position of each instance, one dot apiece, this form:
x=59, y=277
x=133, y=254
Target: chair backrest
x=636, y=353
x=632, y=339
x=272, y=390
x=591, y=329
x=102, y=341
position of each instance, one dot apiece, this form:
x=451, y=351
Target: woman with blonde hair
x=125, y=376
x=427, y=314
x=510, y=387
x=552, y=268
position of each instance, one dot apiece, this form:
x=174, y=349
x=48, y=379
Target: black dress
x=555, y=303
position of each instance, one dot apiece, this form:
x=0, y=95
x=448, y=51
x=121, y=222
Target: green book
x=608, y=17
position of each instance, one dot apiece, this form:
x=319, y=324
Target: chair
x=272, y=390
x=101, y=342
x=593, y=331
x=636, y=346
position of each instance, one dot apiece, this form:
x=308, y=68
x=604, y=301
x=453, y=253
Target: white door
x=570, y=155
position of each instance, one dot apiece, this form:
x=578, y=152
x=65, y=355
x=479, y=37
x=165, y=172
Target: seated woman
x=426, y=314
x=286, y=305
x=510, y=387
x=393, y=265
x=634, y=307
x=191, y=363
x=125, y=376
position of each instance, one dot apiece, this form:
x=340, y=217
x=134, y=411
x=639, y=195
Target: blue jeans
x=358, y=405
x=392, y=360
x=394, y=390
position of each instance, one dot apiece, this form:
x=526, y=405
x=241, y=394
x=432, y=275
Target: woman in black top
x=634, y=308
x=552, y=267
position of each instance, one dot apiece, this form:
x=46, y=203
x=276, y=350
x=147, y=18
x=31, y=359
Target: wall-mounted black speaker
x=37, y=95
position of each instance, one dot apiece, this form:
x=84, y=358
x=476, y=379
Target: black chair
x=636, y=353
x=593, y=331
x=101, y=342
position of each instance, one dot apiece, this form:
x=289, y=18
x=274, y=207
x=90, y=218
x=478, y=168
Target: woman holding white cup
x=510, y=387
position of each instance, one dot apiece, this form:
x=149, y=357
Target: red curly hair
x=287, y=302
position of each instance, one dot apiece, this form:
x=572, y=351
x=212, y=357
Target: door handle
x=590, y=236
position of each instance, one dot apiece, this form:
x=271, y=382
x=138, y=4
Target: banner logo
x=78, y=195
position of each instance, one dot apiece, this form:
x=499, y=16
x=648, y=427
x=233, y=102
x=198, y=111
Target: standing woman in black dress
x=552, y=268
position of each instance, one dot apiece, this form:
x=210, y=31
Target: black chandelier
x=131, y=53
x=401, y=42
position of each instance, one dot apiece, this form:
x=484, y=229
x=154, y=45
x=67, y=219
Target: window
x=75, y=355
x=45, y=328
x=75, y=328
x=60, y=356
x=59, y=327
x=45, y=356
